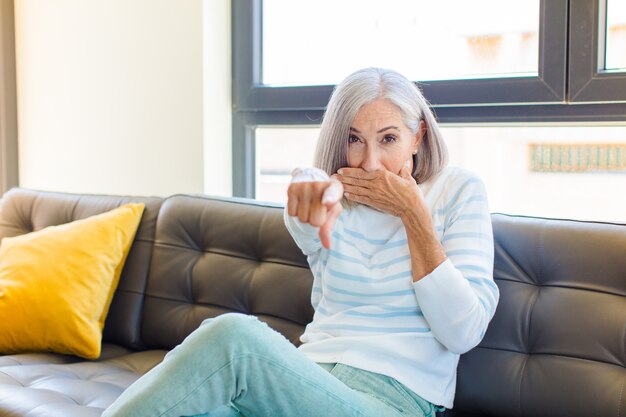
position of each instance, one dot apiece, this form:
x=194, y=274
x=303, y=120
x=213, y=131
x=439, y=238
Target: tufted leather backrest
x=556, y=346
x=213, y=256
x=557, y=343
x=23, y=211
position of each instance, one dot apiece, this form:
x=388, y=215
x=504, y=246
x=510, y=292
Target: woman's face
x=379, y=139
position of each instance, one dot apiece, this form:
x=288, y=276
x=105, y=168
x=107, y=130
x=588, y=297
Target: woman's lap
x=235, y=362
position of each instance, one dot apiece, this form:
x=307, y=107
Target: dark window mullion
x=588, y=81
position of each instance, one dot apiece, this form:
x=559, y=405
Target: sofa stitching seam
x=521, y=383
x=72, y=214
x=568, y=287
x=560, y=355
x=619, y=402
x=172, y=245
x=12, y=377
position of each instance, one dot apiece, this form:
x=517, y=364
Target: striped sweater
x=369, y=313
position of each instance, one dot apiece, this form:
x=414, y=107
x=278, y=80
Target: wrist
x=424, y=246
x=416, y=218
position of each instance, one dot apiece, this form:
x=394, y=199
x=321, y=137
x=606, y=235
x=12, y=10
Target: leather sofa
x=556, y=346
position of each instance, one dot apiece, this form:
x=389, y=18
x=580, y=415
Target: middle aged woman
x=403, y=264
x=402, y=280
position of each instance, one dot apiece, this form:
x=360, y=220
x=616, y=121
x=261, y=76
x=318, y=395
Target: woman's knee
x=221, y=332
x=232, y=326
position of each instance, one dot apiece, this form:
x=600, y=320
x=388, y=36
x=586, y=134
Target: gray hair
x=363, y=87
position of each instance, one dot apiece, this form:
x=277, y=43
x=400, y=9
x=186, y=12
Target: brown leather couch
x=556, y=346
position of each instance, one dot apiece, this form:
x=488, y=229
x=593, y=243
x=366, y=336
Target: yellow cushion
x=56, y=284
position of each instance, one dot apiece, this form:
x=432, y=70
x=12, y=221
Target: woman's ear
x=419, y=136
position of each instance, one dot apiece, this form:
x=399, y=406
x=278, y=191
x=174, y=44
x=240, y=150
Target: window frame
x=566, y=88
x=548, y=86
x=589, y=82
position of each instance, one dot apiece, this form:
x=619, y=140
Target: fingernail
x=331, y=194
x=340, y=171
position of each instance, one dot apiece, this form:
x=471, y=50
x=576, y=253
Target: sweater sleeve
x=459, y=297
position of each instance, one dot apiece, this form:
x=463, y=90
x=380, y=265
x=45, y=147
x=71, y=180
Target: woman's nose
x=371, y=161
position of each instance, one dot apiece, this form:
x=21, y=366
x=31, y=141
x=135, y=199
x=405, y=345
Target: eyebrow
x=380, y=131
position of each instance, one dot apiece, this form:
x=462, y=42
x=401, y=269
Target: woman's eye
x=352, y=139
x=389, y=139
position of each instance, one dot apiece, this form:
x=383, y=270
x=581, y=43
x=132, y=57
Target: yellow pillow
x=56, y=284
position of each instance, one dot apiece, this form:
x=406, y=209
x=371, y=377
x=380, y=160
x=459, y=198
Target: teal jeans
x=235, y=365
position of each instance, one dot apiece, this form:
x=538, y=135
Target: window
x=278, y=152
x=501, y=43
x=519, y=81
x=550, y=170
x=537, y=74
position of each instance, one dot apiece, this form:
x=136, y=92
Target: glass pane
x=562, y=171
x=573, y=172
x=615, y=35
x=278, y=151
x=321, y=42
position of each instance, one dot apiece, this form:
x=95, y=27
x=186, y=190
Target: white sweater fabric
x=369, y=313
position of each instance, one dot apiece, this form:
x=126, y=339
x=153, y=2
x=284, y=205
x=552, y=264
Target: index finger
x=357, y=173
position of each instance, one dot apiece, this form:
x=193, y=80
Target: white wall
x=217, y=98
x=110, y=95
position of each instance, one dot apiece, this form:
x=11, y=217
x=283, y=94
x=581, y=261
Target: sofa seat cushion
x=108, y=351
x=70, y=389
